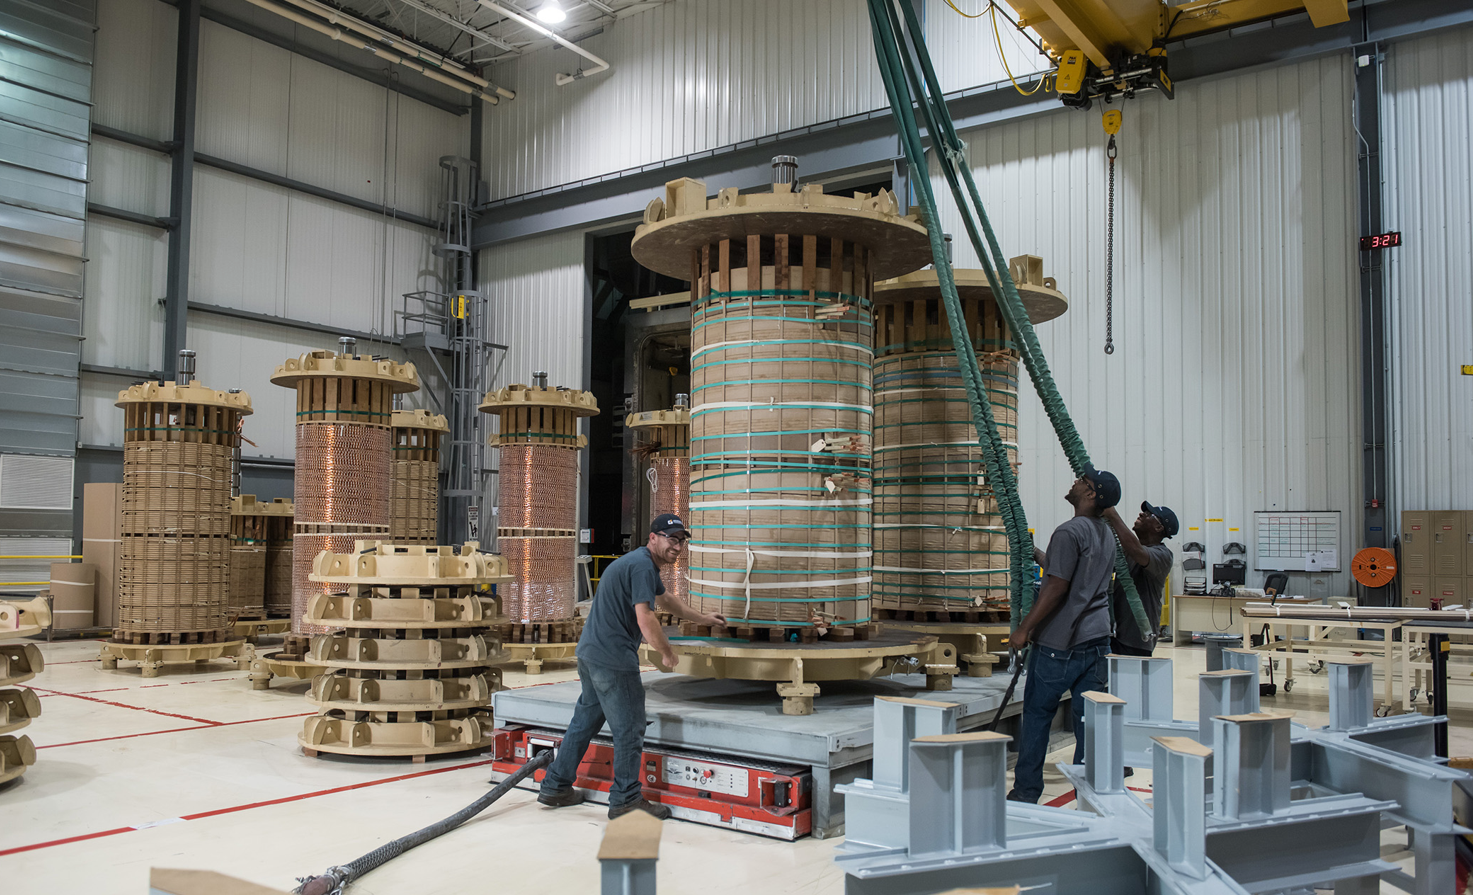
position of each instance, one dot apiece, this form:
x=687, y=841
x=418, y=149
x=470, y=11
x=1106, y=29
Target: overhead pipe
x=338, y=34
x=562, y=79
x=399, y=44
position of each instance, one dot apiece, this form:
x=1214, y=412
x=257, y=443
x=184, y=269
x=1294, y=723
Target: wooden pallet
x=170, y=638
x=567, y=631
x=805, y=633
x=967, y=617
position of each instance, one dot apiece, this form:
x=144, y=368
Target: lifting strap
x=911, y=84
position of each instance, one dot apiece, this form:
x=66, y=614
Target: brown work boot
x=562, y=798
x=659, y=811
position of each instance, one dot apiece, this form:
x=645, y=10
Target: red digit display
x=1381, y=241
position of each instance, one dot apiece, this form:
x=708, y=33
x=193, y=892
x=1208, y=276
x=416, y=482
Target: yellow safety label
x=1468, y=369
x=1214, y=520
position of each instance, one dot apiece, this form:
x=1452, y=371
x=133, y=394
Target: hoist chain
x=1110, y=256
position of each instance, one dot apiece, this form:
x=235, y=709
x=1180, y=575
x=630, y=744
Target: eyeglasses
x=676, y=538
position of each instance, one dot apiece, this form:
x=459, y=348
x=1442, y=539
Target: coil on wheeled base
x=408, y=660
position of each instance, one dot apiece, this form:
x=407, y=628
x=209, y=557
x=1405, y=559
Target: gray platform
x=744, y=719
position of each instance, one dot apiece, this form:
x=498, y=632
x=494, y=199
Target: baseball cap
x=669, y=524
x=1107, y=487
x=1165, y=515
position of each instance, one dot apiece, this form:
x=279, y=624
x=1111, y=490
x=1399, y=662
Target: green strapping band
x=345, y=412
x=727, y=382
x=844, y=297
x=763, y=360
x=743, y=598
x=759, y=406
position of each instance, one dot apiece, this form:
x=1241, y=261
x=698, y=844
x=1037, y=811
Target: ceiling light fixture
x=551, y=12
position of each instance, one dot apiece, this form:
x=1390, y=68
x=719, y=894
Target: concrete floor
x=195, y=769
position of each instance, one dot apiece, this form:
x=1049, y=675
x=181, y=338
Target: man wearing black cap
x=1069, y=626
x=1150, y=563
x=608, y=666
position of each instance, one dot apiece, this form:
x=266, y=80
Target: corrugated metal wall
x=254, y=246
x=45, y=94
x=536, y=291
x=1234, y=386
x=700, y=74
x=1427, y=131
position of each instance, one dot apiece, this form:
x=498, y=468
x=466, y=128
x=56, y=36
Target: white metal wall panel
x=133, y=80
x=419, y=136
x=270, y=250
x=123, y=321
x=702, y=74
x=101, y=422
x=1235, y=380
x=245, y=98
x=535, y=288
x=1426, y=132
x=128, y=177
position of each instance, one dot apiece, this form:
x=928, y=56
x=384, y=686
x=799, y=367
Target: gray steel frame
x=181, y=186
x=1243, y=833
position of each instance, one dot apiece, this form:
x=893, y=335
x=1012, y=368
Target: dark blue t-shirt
x=611, y=635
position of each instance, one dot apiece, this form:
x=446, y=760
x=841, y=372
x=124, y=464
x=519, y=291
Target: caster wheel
x=1275, y=664
x=1383, y=711
x=1412, y=696
x=1316, y=668
x=1288, y=686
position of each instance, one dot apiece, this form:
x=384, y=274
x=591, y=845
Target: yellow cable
x=997, y=35
x=968, y=14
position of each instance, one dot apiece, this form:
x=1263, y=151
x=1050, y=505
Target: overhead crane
x=1104, y=49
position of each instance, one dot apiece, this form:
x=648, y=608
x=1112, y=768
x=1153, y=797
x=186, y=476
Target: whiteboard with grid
x=1281, y=540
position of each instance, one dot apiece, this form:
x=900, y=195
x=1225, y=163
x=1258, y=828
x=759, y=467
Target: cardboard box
x=1447, y=544
x=102, y=533
x=72, y=595
x=1416, y=593
x=1416, y=544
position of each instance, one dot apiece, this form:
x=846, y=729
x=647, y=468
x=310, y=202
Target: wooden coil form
x=414, y=504
x=174, y=561
x=940, y=544
x=781, y=351
x=781, y=430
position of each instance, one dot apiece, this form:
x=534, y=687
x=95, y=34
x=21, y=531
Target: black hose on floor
x=335, y=879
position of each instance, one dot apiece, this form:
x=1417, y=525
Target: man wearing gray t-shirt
x=1069, y=626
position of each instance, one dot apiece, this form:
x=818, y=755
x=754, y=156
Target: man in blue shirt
x=608, y=665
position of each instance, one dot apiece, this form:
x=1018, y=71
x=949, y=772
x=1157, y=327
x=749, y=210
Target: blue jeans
x=1051, y=674
x=613, y=696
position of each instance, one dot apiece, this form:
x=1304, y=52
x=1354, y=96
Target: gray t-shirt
x=1149, y=580
x=611, y=635
x=1082, y=552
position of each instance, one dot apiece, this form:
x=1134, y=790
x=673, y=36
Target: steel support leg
x=1225, y=692
x=1437, y=647
x=897, y=722
x=1250, y=766
x=1179, y=804
x=1104, y=751
x=958, y=794
x=1352, y=693
x=1250, y=661
x=1146, y=686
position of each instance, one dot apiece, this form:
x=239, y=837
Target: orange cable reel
x=1374, y=566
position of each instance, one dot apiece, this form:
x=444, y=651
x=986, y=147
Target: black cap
x=669, y=524
x=1107, y=487
x=1165, y=516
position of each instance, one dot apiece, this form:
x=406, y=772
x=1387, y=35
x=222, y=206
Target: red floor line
x=58, y=693
x=136, y=708
x=219, y=811
x=149, y=733
x=1060, y=801
x=71, y=662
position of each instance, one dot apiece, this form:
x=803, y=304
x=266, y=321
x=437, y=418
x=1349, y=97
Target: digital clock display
x=1380, y=241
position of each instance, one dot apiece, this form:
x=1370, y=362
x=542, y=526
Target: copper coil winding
x=543, y=586
x=342, y=474
x=670, y=493
x=342, y=494
x=538, y=487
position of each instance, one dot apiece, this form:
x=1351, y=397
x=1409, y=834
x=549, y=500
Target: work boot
x=1014, y=796
x=659, y=811
x=561, y=798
